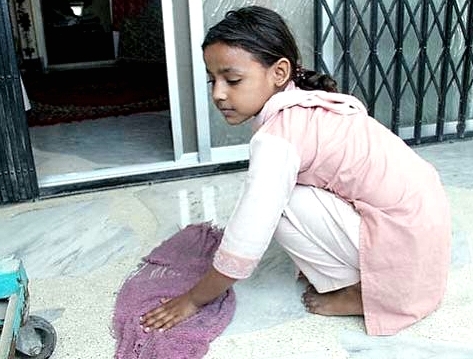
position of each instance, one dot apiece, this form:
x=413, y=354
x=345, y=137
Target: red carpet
x=76, y=95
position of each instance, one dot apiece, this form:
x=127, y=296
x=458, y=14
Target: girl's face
x=240, y=84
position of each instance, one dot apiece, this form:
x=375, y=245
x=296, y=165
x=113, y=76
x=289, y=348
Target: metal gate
x=17, y=172
x=410, y=61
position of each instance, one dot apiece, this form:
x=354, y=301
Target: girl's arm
x=175, y=310
x=272, y=175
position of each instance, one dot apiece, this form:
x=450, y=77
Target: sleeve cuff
x=234, y=266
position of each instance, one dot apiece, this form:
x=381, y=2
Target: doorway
x=102, y=101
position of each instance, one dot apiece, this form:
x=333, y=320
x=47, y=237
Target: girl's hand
x=170, y=313
x=174, y=311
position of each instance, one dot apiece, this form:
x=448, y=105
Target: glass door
x=97, y=120
x=231, y=142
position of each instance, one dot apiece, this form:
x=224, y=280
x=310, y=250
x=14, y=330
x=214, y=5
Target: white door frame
x=201, y=96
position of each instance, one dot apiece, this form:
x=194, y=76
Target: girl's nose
x=218, y=92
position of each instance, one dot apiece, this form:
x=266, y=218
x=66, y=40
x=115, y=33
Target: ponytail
x=311, y=80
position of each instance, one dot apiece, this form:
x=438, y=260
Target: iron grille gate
x=409, y=61
x=17, y=172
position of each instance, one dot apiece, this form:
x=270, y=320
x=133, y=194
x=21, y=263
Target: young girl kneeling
x=363, y=217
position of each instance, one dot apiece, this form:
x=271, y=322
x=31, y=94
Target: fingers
x=170, y=313
x=156, y=318
x=160, y=321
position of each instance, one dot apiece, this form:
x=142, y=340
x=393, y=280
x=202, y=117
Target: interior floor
x=79, y=249
x=89, y=145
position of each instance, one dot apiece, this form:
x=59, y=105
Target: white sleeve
x=271, y=177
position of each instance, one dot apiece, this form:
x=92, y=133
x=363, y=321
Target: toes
x=309, y=301
x=310, y=289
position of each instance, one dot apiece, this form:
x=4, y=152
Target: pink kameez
x=327, y=140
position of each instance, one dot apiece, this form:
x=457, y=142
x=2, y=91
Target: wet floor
x=77, y=251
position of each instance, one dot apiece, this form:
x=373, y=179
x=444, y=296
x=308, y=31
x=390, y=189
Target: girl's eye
x=233, y=82
x=211, y=81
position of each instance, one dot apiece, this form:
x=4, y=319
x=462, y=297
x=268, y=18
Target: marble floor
x=78, y=249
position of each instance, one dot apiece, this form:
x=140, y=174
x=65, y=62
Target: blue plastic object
x=13, y=304
x=21, y=335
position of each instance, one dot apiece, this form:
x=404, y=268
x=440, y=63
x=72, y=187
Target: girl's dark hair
x=264, y=33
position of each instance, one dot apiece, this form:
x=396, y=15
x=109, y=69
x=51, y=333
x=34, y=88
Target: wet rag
x=169, y=270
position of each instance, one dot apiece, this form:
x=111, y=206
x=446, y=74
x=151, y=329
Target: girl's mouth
x=227, y=112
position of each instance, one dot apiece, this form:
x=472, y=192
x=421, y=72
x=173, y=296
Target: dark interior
x=104, y=76
x=77, y=31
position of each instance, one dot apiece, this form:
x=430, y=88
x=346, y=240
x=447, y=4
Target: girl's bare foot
x=345, y=301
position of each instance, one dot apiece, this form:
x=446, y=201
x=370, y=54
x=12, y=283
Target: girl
x=363, y=217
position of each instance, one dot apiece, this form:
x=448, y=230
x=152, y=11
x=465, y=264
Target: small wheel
x=47, y=335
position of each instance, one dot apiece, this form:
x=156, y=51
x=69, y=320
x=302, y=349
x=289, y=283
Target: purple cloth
x=169, y=270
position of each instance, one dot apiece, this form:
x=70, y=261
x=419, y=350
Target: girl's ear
x=282, y=72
